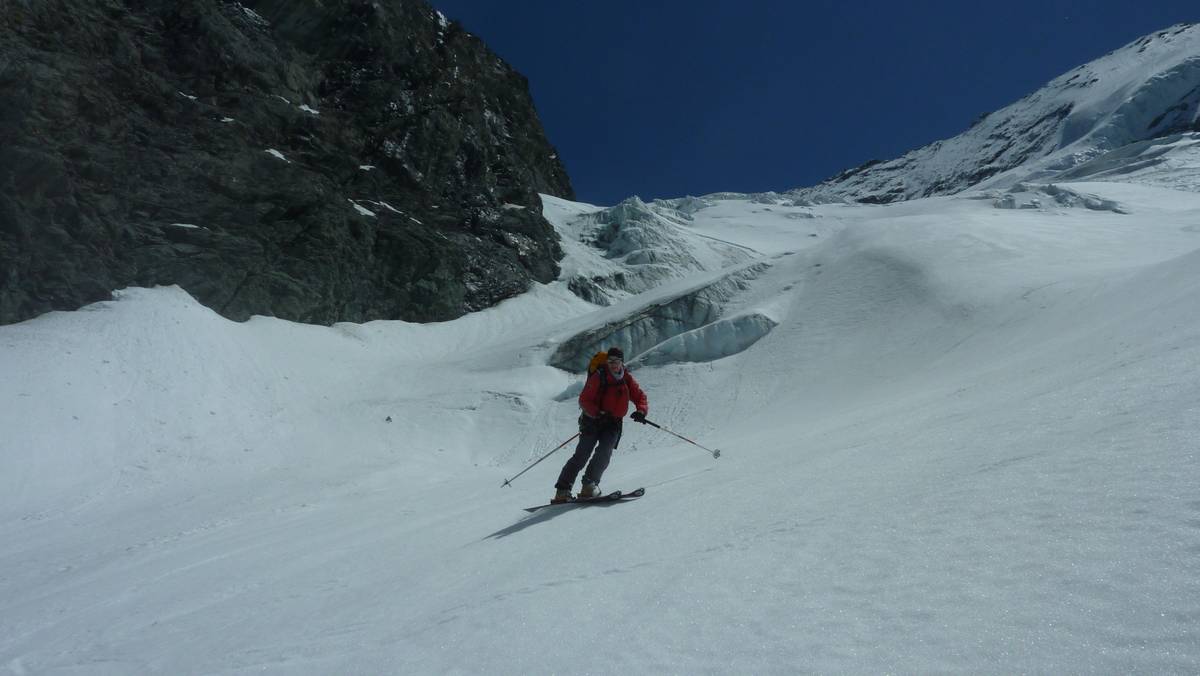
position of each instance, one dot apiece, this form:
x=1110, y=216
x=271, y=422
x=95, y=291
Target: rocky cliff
x=316, y=160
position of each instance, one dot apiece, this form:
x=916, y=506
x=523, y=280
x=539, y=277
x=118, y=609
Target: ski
x=615, y=496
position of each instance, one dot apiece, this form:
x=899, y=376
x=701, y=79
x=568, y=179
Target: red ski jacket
x=617, y=395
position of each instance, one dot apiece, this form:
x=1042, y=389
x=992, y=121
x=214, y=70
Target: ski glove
x=639, y=416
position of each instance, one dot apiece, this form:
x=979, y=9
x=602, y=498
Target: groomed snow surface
x=963, y=439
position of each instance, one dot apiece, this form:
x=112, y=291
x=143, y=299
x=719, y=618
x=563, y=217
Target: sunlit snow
x=361, y=209
x=955, y=438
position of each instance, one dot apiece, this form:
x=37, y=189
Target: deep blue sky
x=666, y=98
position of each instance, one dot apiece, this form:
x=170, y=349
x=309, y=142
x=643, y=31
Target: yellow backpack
x=598, y=360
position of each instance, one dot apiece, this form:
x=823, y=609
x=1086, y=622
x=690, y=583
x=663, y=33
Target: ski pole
x=508, y=482
x=715, y=453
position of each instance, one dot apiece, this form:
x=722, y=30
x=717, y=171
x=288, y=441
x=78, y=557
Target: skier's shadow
x=547, y=513
x=544, y=515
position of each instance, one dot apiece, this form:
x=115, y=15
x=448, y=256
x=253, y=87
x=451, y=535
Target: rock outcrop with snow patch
x=121, y=118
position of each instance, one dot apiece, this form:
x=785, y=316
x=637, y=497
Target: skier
x=604, y=400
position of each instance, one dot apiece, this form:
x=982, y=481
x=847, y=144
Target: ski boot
x=561, y=495
x=590, y=490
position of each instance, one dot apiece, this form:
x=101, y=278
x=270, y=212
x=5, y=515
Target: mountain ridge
x=1146, y=89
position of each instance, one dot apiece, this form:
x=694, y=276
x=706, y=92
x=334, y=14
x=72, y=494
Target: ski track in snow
x=969, y=446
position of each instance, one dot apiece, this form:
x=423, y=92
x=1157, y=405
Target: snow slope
x=966, y=442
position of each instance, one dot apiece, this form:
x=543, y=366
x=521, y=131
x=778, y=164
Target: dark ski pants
x=603, y=441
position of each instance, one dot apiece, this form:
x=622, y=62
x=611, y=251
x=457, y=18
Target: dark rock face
x=316, y=160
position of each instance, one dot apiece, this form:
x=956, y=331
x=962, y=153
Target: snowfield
x=963, y=439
